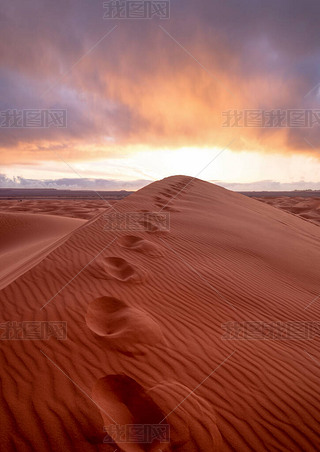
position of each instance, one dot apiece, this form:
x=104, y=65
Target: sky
x=180, y=87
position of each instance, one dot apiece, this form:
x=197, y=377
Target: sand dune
x=304, y=207
x=73, y=208
x=25, y=239
x=147, y=343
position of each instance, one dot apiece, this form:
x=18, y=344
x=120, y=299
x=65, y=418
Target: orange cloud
x=150, y=86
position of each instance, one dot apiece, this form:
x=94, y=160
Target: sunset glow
x=148, y=98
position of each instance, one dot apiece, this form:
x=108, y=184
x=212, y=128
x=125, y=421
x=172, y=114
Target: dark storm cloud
x=140, y=85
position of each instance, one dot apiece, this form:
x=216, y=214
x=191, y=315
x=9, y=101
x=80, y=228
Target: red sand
x=304, y=207
x=26, y=239
x=145, y=342
x=74, y=208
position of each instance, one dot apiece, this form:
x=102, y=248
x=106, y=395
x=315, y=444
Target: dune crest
x=178, y=341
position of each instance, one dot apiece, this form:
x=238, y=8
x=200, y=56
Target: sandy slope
x=304, y=207
x=74, y=208
x=145, y=313
x=25, y=239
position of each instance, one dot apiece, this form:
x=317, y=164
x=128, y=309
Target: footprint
x=135, y=243
x=126, y=329
x=170, y=209
x=175, y=187
x=166, y=195
x=129, y=415
x=193, y=423
x=116, y=268
x=170, y=192
x=187, y=421
x=158, y=199
x=166, y=208
x=183, y=184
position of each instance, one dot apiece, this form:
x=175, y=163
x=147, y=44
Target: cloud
x=157, y=83
x=114, y=185
x=270, y=185
x=72, y=184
